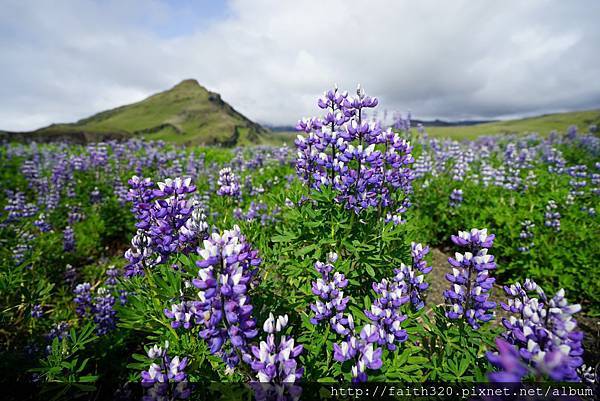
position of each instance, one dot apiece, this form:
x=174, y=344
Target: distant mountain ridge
x=471, y=129
x=187, y=113
x=414, y=122
x=444, y=123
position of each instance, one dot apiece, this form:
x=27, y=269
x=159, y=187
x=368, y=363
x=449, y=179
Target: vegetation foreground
x=145, y=262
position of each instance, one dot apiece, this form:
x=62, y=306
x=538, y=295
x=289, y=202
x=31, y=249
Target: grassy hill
x=540, y=124
x=187, y=113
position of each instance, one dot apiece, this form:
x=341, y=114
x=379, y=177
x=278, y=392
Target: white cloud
x=66, y=60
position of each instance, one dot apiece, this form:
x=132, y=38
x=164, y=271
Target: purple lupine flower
x=386, y=315
x=83, y=299
x=544, y=331
x=170, y=212
x=409, y=279
x=275, y=361
x=120, y=191
x=423, y=165
x=103, y=311
x=229, y=183
x=36, y=311
x=123, y=297
x=362, y=350
x=70, y=275
x=161, y=213
x=339, y=151
x=30, y=171
x=571, y=132
x=552, y=216
x=456, y=197
x=403, y=123
x=195, y=228
x=15, y=206
x=184, y=314
x=68, y=239
x=42, y=224
x=74, y=215
x=95, y=196
x=526, y=236
x=467, y=298
x=112, y=273
x=508, y=360
x=331, y=303
x=164, y=369
x=141, y=195
x=306, y=164
x=24, y=246
x=140, y=255
x=60, y=330
x=227, y=267
x=257, y=211
x=363, y=347
x=98, y=153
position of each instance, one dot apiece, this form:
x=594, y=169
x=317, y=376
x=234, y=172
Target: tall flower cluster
x=112, y=273
x=275, y=361
x=163, y=220
x=42, y=223
x=543, y=331
x=141, y=195
x=70, y=275
x=60, y=330
x=385, y=312
x=171, y=211
x=23, y=247
x=526, y=236
x=164, y=369
x=467, y=297
x=140, y=255
x=82, y=299
x=331, y=303
x=103, y=311
x=456, y=197
x=227, y=267
x=195, y=227
x=100, y=307
x=552, y=216
x=368, y=167
x=361, y=348
x=229, y=183
x=184, y=314
x=16, y=207
x=68, y=239
x=37, y=311
x=412, y=278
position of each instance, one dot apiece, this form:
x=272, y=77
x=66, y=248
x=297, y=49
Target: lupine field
x=357, y=253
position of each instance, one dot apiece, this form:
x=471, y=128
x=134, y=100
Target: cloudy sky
x=64, y=60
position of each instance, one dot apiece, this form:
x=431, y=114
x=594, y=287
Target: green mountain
x=187, y=113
